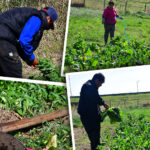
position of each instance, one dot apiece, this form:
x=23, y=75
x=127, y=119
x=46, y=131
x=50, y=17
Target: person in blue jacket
x=89, y=108
x=21, y=30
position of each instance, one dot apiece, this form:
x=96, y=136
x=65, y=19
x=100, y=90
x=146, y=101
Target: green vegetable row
x=132, y=133
x=28, y=99
x=82, y=56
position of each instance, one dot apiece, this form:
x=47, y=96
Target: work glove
x=33, y=64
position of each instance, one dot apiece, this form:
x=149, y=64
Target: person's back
x=13, y=21
x=88, y=103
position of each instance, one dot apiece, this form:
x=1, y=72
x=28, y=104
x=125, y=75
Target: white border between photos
x=70, y=112
x=65, y=41
x=32, y=81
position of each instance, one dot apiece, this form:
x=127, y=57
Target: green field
x=88, y=22
x=124, y=100
x=85, y=43
x=133, y=105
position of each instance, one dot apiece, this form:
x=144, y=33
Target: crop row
x=119, y=53
x=132, y=133
x=29, y=100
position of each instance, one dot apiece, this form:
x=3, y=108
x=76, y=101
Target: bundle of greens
x=114, y=115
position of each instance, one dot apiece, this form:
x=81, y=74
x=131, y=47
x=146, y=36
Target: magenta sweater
x=110, y=15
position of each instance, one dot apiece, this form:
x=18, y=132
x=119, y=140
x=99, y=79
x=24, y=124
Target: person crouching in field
x=21, y=30
x=109, y=21
x=89, y=108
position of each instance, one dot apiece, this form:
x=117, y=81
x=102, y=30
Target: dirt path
x=81, y=138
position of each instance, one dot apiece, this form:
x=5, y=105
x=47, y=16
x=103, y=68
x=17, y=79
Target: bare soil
x=7, y=116
x=81, y=144
x=80, y=136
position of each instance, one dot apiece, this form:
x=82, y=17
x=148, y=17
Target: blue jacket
x=24, y=28
x=31, y=28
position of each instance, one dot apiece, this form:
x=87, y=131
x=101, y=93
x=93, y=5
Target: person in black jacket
x=21, y=30
x=89, y=110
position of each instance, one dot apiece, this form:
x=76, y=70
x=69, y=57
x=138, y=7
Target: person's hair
x=99, y=76
x=111, y=3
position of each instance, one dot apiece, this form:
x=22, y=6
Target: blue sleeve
x=30, y=29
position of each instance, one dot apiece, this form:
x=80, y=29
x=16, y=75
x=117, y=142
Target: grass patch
x=87, y=22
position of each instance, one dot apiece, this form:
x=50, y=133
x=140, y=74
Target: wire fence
x=124, y=6
x=122, y=100
x=128, y=102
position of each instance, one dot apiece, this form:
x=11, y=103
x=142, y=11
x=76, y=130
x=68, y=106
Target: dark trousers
x=92, y=127
x=109, y=28
x=10, y=63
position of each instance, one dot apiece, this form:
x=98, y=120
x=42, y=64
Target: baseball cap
x=53, y=15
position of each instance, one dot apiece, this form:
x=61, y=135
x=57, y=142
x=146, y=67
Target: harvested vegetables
x=114, y=115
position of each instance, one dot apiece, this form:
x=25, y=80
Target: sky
x=117, y=81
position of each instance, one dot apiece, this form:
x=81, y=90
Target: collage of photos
x=74, y=75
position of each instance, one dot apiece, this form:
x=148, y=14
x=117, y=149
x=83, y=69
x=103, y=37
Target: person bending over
x=21, y=32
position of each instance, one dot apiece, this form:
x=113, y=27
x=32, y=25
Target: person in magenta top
x=109, y=20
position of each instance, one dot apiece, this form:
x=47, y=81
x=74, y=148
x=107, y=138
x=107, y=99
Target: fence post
x=145, y=7
x=126, y=6
x=84, y=3
x=104, y=4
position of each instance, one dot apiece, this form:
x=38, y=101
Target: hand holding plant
x=106, y=106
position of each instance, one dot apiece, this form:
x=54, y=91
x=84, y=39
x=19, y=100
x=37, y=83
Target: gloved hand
x=34, y=63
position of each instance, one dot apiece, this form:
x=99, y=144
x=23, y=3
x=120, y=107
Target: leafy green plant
x=38, y=137
x=49, y=71
x=31, y=99
x=82, y=56
x=132, y=133
x=114, y=114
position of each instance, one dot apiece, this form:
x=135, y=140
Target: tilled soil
x=8, y=142
x=7, y=116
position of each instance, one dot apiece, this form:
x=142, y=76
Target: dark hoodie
x=90, y=101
